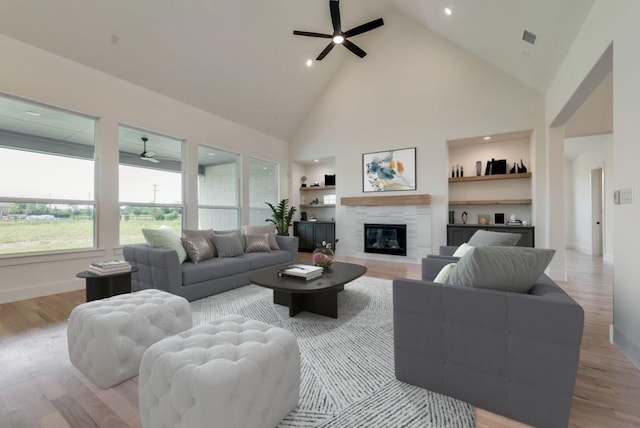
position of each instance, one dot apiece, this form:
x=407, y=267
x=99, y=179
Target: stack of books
x=110, y=267
x=306, y=272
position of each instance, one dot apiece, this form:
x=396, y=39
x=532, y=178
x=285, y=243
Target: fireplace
x=385, y=239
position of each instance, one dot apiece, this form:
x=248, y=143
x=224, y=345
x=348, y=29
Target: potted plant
x=282, y=216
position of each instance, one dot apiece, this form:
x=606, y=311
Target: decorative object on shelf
x=452, y=217
x=390, y=170
x=323, y=255
x=461, y=171
x=315, y=202
x=315, y=184
x=498, y=166
x=329, y=180
x=513, y=170
x=303, y=215
x=457, y=170
x=521, y=168
x=453, y=171
x=478, y=168
x=484, y=219
x=498, y=218
x=303, y=179
x=464, y=217
x=487, y=170
x=282, y=216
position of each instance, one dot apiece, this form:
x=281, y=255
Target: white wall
x=38, y=75
x=413, y=89
x=617, y=22
x=599, y=154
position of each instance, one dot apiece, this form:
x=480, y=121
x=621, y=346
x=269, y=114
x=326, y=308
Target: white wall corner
x=627, y=347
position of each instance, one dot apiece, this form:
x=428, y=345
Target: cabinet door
x=459, y=235
x=304, y=232
x=325, y=232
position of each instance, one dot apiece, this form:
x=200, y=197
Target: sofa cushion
x=485, y=237
x=261, y=229
x=213, y=269
x=228, y=245
x=197, y=248
x=234, y=231
x=444, y=273
x=257, y=243
x=513, y=269
x=206, y=234
x=462, y=250
x=263, y=260
x=166, y=238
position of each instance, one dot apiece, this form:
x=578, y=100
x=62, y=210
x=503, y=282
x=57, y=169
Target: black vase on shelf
x=521, y=168
x=513, y=170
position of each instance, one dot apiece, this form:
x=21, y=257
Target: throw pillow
x=462, y=250
x=485, y=237
x=259, y=230
x=167, y=238
x=204, y=233
x=257, y=243
x=444, y=273
x=234, y=231
x=198, y=248
x=228, y=244
x=513, y=269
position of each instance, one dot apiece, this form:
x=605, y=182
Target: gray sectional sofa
x=514, y=354
x=161, y=269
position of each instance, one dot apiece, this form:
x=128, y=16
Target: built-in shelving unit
x=493, y=202
x=490, y=177
x=308, y=188
x=317, y=205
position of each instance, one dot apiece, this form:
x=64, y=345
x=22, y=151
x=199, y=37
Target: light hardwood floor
x=40, y=388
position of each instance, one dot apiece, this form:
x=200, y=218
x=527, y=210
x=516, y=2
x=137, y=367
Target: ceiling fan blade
x=325, y=51
x=149, y=154
x=353, y=48
x=311, y=34
x=153, y=160
x=334, y=7
x=364, y=27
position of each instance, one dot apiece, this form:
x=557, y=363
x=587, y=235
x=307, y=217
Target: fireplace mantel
x=372, y=201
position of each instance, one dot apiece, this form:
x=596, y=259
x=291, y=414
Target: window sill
x=50, y=256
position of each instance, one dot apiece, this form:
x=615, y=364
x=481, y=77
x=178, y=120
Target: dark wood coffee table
x=319, y=295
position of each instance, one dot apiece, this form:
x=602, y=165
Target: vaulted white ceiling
x=239, y=59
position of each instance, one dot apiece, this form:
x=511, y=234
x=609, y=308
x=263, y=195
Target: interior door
x=597, y=178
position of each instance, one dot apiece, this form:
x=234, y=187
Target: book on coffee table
x=302, y=271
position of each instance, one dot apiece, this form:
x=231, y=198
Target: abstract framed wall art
x=390, y=170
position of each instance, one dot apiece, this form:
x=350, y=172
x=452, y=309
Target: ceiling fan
x=145, y=155
x=339, y=37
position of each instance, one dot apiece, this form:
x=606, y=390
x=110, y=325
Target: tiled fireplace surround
x=416, y=217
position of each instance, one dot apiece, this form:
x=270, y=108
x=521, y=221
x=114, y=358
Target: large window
x=218, y=206
x=150, y=181
x=47, y=200
x=263, y=188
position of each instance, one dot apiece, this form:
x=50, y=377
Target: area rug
x=347, y=375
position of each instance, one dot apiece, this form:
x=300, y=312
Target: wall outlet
x=626, y=196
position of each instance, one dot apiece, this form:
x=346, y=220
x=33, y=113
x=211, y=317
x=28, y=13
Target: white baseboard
x=627, y=347
x=23, y=293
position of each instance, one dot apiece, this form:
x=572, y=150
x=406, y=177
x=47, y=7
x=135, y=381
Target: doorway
x=597, y=235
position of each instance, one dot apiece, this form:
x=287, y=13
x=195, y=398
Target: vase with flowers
x=323, y=255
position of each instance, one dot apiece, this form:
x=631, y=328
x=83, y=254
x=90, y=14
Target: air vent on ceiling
x=529, y=37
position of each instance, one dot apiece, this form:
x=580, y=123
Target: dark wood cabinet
x=459, y=233
x=311, y=234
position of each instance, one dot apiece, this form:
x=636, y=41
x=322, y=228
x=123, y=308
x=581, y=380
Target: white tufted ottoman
x=108, y=337
x=234, y=372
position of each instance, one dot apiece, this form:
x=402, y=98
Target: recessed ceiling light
x=447, y=11
x=32, y=113
x=487, y=138
x=316, y=160
x=309, y=63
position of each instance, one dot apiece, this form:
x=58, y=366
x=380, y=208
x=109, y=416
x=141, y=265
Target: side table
x=101, y=286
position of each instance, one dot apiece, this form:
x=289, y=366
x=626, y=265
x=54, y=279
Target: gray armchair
x=509, y=353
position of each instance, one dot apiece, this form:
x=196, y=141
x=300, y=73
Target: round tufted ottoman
x=108, y=337
x=233, y=372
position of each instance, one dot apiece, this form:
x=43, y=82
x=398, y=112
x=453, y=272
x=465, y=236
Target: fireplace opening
x=385, y=239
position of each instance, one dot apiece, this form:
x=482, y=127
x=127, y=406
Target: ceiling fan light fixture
x=309, y=62
x=448, y=11
x=338, y=39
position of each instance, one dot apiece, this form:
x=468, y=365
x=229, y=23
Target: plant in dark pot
x=282, y=216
